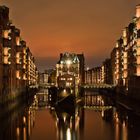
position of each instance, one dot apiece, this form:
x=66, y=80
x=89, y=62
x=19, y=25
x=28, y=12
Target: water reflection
x=69, y=124
x=17, y=124
x=93, y=118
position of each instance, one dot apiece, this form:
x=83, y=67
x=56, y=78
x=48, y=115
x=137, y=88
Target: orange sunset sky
x=80, y=26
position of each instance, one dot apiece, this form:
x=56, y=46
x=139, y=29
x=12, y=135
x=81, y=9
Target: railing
x=98, y=86
x=99, y=108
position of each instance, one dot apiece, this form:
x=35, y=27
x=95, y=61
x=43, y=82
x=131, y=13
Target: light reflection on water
x=93, y=118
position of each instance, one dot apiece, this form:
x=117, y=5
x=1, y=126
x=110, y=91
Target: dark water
x=94, y=118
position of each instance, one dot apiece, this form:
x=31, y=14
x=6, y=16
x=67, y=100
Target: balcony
x=7, y=51
x=6, y=55
x=18, y=61
x=6, y=34
x=18, y=41
x=18, y=74
x=6, y=60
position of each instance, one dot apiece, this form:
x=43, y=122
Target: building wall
x=82, y=67
x=13, y=59
x=125, y=57
x=1, y=63
x=106, y=72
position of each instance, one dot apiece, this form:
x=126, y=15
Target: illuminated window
x=6, y=51
x=125, y=74
x=24, y=77
x=138, y=59
x=117, y=45
x=138, y=42
x=138, y=11
x=125, y=41
x=124, y=33
x=71, y=79
x=138, y=24
x=138, y=51
x=18, y=74
x=138, y=71
x=125, y=61
x=6, y=34
x=63, y=78
x=6, y=60
x=125, y=54
x=125, y=66
x=17, y=41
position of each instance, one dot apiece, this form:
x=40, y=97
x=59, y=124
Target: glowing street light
x=68, y=62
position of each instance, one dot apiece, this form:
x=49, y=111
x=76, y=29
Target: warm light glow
x=68, y=62
x=18, y=41
x=6, y=51
x=125, y=74
x=68, y=134
x=102, y=113
x=24, y=66
x=18, y=74
x=125, y=61
x=125, y=66
x=138, y=71
x=125, y=32
x=6, y=34
x=24, y=50
x=138, y=42
x=24, y=119
x=138, y=51
x=6, y=60
x=24, y=77
x=24, y=134
x=117, y=44
x=138, y=11
x=125, y=41
x=125, y=54
x=138, y=60
x=18, y=55
x=138, y=24
x=18, y=131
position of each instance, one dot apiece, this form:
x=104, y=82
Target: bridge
x=98, y=108
x=98, y=86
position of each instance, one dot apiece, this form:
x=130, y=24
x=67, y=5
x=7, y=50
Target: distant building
x=68, y=66
x=81, y=68
x=125, y=57
x=99, y=75
x=88, y=76
x=43, y=78
x=93, y=76
x=106, y=71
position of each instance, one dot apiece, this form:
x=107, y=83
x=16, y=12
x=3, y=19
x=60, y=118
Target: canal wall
x=18, y=94
x=11, y=103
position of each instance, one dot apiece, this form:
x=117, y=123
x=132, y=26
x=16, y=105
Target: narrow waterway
x=94, y=117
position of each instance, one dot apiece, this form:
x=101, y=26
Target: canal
x=94, y=117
